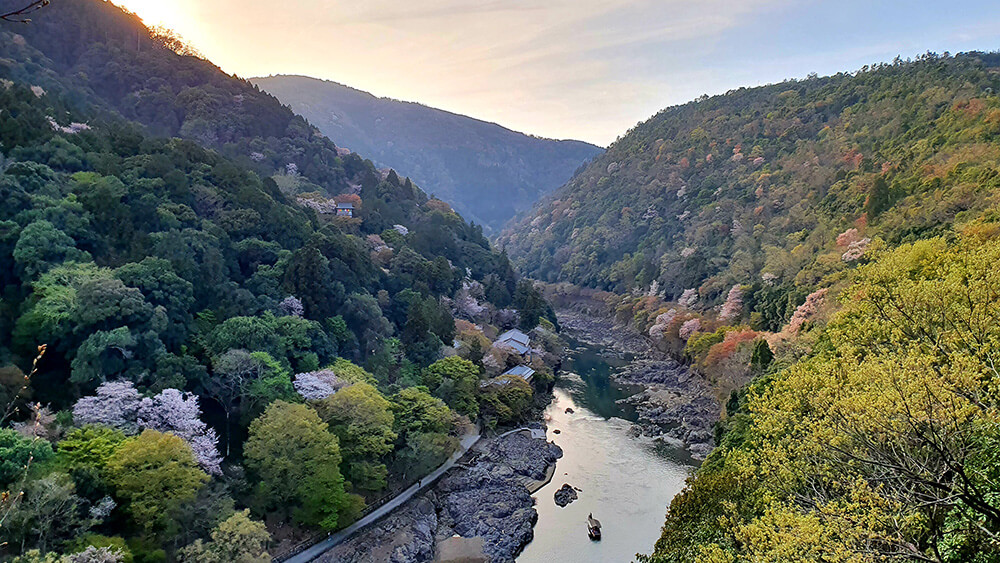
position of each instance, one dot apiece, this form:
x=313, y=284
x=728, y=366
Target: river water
x=626, y=482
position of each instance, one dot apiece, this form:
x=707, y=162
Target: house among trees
x=524, y=372
x=517, y=340
x=345, y=209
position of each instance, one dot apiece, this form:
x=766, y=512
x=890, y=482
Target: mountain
x=763, y=181
x=489, y=173
x=822, y=255
x=181, y=291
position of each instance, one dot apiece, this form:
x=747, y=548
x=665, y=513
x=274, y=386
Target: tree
x=17, y=453
x=455, y=380
x=238, y=539
x=362, y=420
x=505, y=399
x=40, y=246
x=296, y=461
x=90, y=447
x=426, y=451
x=119, y=405
x=155, y=473
x=179, y=413
x=416, y=410
x=49, y=512
x=530, y=304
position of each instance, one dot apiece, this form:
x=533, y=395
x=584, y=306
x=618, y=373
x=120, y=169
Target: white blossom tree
x=317, y=385
x=119, y=405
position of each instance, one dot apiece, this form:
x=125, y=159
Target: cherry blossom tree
x=689, y=298
x=116, y=404
x=179, y=413
x=291, y=306
x=689, y=327
x=119, y=405
x=318, y=385
x=733, y=307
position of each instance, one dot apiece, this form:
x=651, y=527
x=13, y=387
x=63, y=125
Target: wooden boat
x=593, y=527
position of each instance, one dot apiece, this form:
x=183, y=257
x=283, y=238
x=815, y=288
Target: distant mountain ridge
x=488, y=172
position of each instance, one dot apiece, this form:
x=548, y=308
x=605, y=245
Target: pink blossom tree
x=733, y=307
x=689, y=298
x=116, y=404
x=689, y=327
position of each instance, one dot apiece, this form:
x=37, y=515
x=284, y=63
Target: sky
x=567, y=69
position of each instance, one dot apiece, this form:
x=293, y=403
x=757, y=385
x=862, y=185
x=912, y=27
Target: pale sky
x=581, y=69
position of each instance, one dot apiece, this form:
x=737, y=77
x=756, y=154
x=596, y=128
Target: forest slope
x=489, y=173
x=761, y=181
x=187, y=330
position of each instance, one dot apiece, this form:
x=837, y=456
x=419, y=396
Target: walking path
x=470, y=439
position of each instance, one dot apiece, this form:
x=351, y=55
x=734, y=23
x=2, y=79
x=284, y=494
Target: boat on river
x=593, y=527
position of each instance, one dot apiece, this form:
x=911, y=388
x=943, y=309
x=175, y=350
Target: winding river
x=626, y=482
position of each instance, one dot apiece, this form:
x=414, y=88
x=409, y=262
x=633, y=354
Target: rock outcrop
x=565, y=495
x=405, y=536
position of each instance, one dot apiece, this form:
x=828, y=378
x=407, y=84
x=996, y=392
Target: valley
x=281, y=319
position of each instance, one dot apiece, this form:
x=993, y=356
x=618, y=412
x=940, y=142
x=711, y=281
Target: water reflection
x=626, y=482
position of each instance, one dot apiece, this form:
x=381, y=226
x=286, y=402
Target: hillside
x=761, y=181
x=489, y=173
x=187, y=330
x=822, y=254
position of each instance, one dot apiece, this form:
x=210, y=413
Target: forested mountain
x=489, y=173
x=186, y=326
x=761, y=181
x=823, y=254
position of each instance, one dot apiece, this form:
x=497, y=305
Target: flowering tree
x=466, y=305
x=663, y=320
x=317, y=385
x=689, y=298
x=291, y=306
x=118, y=405
x=806, y=310
x=178, y=413
x=856, y=250
x=733, y=306
x=96, y=555
x=689, y=327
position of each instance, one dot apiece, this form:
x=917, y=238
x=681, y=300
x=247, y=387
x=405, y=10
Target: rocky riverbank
x=486, y=496
x=674, y=403
x=601, y=331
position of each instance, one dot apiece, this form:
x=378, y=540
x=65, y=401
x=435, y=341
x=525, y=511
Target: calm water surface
x=627, y=482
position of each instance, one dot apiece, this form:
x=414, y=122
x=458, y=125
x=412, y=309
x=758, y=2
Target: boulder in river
x=565, y=495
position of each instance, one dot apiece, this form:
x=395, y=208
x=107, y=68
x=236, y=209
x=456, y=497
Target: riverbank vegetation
x=879, y=444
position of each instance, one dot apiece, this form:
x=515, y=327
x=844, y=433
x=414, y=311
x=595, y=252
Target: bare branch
x=21, y=15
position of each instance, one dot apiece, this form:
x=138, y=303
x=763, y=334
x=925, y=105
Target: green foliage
x=237, y=539
x=362, y=420
x=89, y=447
x=455, y=380
x=296, y=462
x=506, y=399
x=17, y=452
x=416, y=410
x=883, y=439
x=155, y=473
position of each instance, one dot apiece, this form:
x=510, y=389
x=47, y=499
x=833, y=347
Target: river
x=626, y=482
